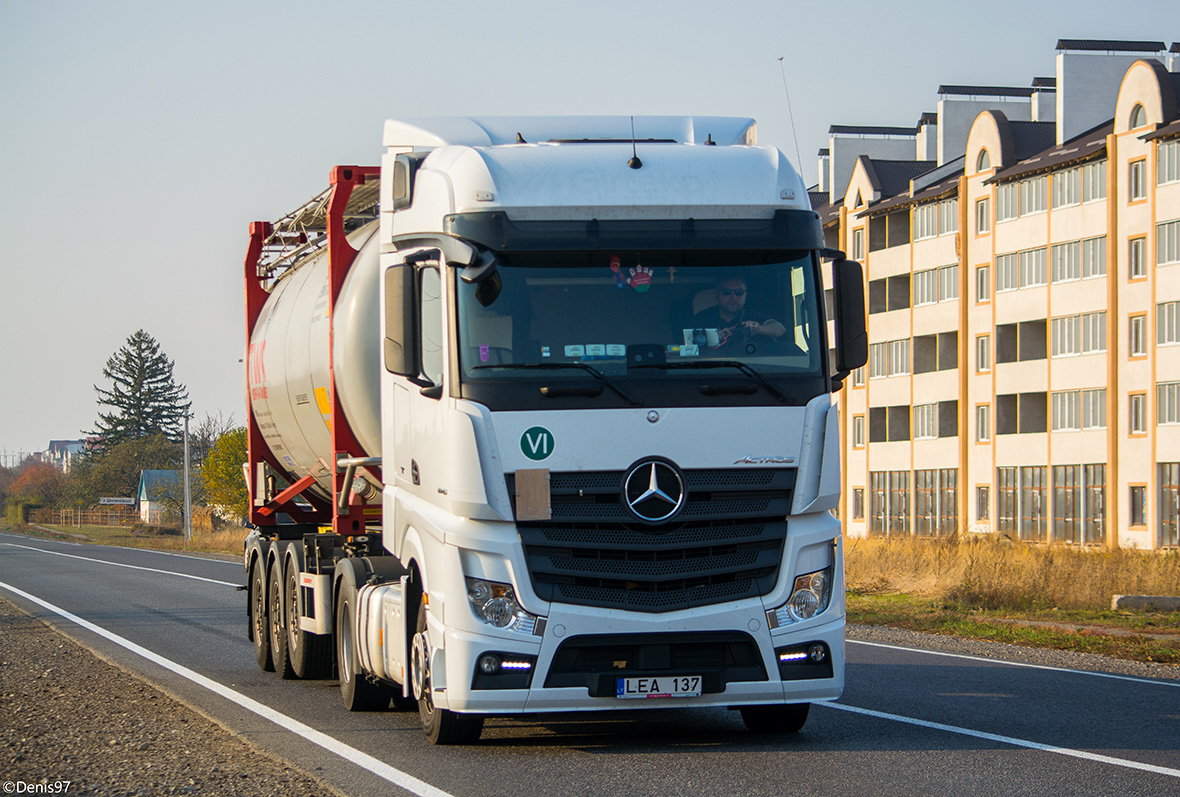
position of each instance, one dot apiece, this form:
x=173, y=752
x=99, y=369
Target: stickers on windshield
x=575, y=351
x=640, y=279
x=616, y=266
x=595, y=350
x=616, y=350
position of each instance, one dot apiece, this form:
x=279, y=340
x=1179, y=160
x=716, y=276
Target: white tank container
x=288, y=364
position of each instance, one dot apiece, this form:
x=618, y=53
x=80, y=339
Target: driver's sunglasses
x=732, y=291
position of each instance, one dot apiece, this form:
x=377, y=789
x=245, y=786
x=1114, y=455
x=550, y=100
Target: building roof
x=985, y=91
x=871, y=130
x=1110, y=45
x=824, y=152
x=1043, y=83
x=928, y=118
x=152, y=482
x=1166, y=131
x=1087, y=146
x=892, y=177
x=818, y=199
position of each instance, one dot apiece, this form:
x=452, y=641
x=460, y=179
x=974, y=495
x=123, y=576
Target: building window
x=1034, y=504
x=878, y=361
x=1067, y=188
x=983, y=284
x=858, y=377
x=1006, y=500
x=1067, y=261
x=983, y=502
x=1167, y=323
x=983, y=218
x=1138, y=116
x=1094, y=181
x=983, y=353
x=1007, y=201
x=1138, y=335
x=1167, y=403
x=925, y=286
x=983, y=431
x=1034, y=268
x=1094, y=490
x=899, y=502
x=858, y=503
x=899, y=357
x=1167, y=165
x=948, y=216
x=1169, y=479
x=1066, y=334
x=1093, y=332
x=1094, y=257
x=925, y=221
x=1138, y=505
x=1137, y=180
x=1094, y=408
x=1137, y=258
x=983, y=162
x=1137, y=412
x=1007, y=272
x=1167, y=243
x=926, y=421
x=878, y=502
x=1067, y=503
x=948, y=283
x=1065, y=411
x=858, y=431
x=858, y=244
x=925, y=502
x=1034, y=195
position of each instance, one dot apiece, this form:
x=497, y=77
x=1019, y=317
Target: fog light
x=489, y=664
x=817, y=653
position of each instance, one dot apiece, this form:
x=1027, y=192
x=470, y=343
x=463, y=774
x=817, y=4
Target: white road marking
x=379, y=768
x=1131, y=678
x=119, y=564
x=992, y=737
x=235, y=562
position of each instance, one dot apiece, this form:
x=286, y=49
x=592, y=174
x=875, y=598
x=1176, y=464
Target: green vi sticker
x=537, y=443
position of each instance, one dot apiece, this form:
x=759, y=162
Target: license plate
x=659, y=686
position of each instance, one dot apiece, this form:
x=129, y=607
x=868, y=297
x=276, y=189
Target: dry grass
x=989, y=573
x=229, y=540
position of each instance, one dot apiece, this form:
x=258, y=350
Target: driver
x=734, y=321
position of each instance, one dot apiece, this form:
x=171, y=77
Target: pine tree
x=146, y=400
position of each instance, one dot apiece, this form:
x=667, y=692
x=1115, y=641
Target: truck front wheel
x=788, y=718
x=441, y=726
x=359, y=693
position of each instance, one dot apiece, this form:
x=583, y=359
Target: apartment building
x=1022, y=259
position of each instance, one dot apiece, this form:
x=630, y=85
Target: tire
x=277, y=626
x=310, y=654
x=259, y=625
x=359, y=693
x=442, y=727
x=787, y=718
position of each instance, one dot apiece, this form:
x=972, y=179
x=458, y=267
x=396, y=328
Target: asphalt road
x=911, y=721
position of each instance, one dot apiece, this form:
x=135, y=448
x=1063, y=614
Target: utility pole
x=188, y=497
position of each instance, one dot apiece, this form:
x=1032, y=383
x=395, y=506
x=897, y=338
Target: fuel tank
x=289, y=368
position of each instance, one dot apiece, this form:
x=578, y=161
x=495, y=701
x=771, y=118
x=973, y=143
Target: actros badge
x=654, y=491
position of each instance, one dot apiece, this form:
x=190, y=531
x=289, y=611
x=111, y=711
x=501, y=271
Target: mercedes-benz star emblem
x=654, y=491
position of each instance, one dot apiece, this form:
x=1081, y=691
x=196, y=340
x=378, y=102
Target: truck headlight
x=495, y=604
x=809, y=597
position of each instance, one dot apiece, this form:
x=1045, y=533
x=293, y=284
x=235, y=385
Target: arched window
x=1138, y=116
x=983, y=162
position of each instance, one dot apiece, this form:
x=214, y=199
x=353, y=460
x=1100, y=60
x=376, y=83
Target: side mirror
x=852, y=339
x=401, y=321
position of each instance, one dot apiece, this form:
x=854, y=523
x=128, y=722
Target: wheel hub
x=420, y=665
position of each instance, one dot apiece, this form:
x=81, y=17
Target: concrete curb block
x=1162, y=603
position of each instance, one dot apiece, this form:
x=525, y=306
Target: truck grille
x=725, y=545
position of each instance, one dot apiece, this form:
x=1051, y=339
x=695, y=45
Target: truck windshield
x=626, y=314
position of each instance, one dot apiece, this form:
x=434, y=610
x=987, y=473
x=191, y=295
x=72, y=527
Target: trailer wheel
x=259, y=627
x=441, y=726
x=278, y=628
x=359, y=693
x=310, y=654
x=787, y=718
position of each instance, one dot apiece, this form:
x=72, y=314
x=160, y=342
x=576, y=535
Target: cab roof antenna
x=634, y=163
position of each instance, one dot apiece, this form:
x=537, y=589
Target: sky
x=139, y=139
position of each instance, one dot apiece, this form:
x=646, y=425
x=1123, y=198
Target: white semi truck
x=540, y=420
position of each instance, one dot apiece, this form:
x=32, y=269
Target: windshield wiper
x=706, y=364
x=594, y=372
